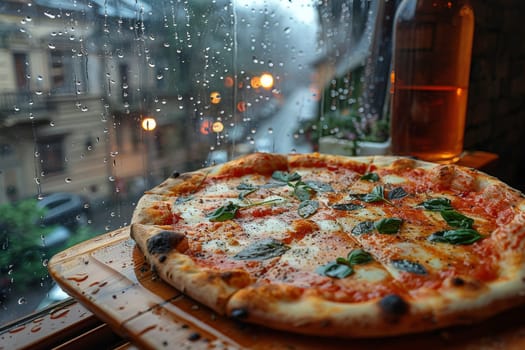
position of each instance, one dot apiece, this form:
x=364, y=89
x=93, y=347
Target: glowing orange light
x=315, y=92
x=241, y=106
x=206, y=127
x=459, y=91
x=228, y=81
x=392, y=81
x=266, y=80
x=217, y=127
x=215, y=97
x=149, y=124
x=255, y=82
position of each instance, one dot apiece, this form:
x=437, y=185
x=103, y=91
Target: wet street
x=278, y=133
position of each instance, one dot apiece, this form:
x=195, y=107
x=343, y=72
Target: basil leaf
x=347, y=206
x=359, y=256
x=455, y=219
x=333, y=269
x=459, y=236
x=376, y=195
x=319, y=186
x=372, y=177
x=341, y=267
x=284, y=176
x=262, y=250
x=243, y=186
x=342, y=261
x=229, y=210
x=183, y=199
x=226, y=212
x=363, y=227
x=302, y=191
x=436, y=204
x=307, y=208
x=397, y=193
x=388, y=225
x=438, y=237
x=409, y=266
x=246, y=189
x=243, y=194
x=273, y=184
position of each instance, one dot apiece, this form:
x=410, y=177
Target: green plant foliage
x=21, y=257
x=341, y=116
x=23, y=254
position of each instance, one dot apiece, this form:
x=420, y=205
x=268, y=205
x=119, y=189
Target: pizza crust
x=210, y=287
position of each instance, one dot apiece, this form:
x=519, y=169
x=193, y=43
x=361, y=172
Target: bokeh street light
x=217, y=127
x=149, y=124
x=215, y=97
x=266, y=80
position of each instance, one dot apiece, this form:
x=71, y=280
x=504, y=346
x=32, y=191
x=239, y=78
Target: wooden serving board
x=109, y=277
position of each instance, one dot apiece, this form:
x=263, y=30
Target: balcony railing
x=17, y=105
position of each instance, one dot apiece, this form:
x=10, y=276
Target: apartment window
x=51, y=154
x=22, y=71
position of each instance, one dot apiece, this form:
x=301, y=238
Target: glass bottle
x=431, y=67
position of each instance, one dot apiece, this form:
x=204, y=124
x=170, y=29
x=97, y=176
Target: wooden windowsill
x=65, y=325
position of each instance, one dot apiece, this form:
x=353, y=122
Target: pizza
x=338, y=246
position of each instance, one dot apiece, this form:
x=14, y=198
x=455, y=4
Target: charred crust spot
x=239, y=313
x=457, y=282
x=194, y=337
x=162, y=258
x=175, y=174
x=393, y=306
x=163, y=242
x=226, y=275
x=185, y=176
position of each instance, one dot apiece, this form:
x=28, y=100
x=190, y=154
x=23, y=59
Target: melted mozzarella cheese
x=217, y=189
x=415, y=253
x=300, y=257
x=191, y=214
x=328, y=226
x=215, y=245
x=393, y=179
x=370, y=273
x=268, y=226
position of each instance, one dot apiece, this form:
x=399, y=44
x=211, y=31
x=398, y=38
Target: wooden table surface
x=108, y=276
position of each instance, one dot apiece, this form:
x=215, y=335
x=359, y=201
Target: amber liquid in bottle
x=432, y=52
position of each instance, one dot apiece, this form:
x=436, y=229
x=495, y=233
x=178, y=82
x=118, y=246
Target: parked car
x=67, y=209
x=55, y=295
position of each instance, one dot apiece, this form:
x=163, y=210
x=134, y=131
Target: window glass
x=102, y=99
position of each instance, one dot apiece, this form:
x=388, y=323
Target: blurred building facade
x=71, y=105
